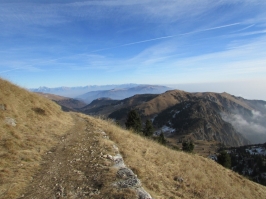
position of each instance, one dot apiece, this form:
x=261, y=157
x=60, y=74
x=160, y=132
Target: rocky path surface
x=85, y=164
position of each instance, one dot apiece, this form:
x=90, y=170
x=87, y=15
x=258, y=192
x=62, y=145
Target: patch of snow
x=152, y=119
x=186, y=106
x=263, y=175
x=167, y=129
x=256, y=151
x=213, y=157
x=247, y=171
x=176, y=113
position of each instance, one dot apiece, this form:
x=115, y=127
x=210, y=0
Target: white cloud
x=255, y=132
x=256, y=114
x=239, y=59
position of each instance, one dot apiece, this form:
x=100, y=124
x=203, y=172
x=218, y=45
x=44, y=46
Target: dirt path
x=71, y=170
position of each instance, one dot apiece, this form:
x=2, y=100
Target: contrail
x=10, y=70
x=214, y=28
x=170, y=36
x=137, y=42
x=244, y=28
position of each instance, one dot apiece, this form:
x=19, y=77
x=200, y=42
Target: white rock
x=11, y=121
x=110, y=157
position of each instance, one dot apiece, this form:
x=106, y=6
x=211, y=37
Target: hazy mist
x=253, y=127
x=248, y=89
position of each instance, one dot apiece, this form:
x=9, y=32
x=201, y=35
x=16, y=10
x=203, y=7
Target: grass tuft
x=39, y=111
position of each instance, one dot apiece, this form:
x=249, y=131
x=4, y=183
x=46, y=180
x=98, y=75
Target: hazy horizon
x=243, y=89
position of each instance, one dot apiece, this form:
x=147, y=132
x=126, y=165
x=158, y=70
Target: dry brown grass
x=160, y=169
x=162, y=102
x=201, y=147
x=39, y=123
x=53, y=97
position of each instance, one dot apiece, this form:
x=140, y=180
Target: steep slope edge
x=166, y=173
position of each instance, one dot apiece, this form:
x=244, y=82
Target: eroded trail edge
x=85, y=164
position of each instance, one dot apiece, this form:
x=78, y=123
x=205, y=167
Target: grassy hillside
x=166, y=173
x=29, y=126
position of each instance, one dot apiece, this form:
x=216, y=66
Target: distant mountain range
x=122, y=93
x=79, y=90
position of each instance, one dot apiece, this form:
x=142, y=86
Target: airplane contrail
x=170, y=36
x=166, y=37
x=244, y=28
x=10, y=70
x=134, y=43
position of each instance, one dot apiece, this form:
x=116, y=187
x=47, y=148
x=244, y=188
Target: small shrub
x=133, y=121
x=224, y=159
x=39, y=111
x=188, y=146
x=161, y=139
x=148, y=128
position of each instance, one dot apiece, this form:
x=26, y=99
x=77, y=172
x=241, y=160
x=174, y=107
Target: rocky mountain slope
x=199, y=120
x=48, y=153
x=222, y=117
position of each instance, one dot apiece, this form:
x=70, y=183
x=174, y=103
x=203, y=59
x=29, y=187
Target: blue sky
x=194, y=44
